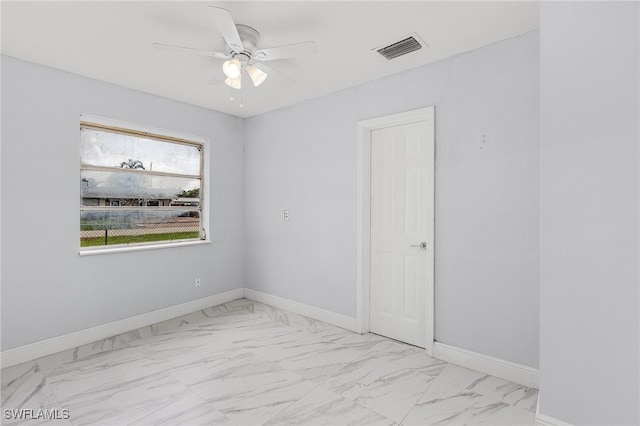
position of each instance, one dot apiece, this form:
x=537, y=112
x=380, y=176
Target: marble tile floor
x=246, y=363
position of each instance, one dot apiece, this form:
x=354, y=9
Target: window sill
x=122, y=249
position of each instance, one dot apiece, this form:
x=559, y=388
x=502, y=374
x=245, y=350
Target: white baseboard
x=543, y=420
x=323, y=315
x=486, y=364
x=506, y=370
x=67, y=341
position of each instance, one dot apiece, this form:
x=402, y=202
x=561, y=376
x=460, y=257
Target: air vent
x=408, y=44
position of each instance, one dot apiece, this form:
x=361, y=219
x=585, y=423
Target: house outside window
x=138, y=188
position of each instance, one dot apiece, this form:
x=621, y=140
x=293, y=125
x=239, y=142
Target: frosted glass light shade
x=257, y=75
x=232, y=68
x=235, y=83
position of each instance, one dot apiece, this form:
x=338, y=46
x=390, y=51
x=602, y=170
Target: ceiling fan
x=242, y=54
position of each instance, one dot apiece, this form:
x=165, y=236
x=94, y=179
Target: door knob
x=422, y=245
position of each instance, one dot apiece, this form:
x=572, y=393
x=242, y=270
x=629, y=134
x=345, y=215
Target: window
x=138, y=188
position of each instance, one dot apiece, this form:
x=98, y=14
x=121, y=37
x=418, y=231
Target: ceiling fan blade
x=288, y=51
x=226, y=26
x=210, y=53
x=282, y=78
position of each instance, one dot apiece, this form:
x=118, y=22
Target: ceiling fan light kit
x=242, y=52
x=234, y=83
x=257, y=75
x=232, y=68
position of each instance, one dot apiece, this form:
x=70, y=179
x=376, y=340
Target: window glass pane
x=135, y=189
x=100, y=148
x=99, y=228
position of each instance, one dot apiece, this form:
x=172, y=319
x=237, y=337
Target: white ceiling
x=111, y=41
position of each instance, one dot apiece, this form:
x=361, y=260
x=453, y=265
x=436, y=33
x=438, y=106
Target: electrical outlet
x=197, y=282
x=285, y=216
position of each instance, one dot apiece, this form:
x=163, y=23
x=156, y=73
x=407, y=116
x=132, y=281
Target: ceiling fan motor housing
x=250, y=38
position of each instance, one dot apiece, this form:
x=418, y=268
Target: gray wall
x=303, y=158
x=47, y=288
x=589, y=212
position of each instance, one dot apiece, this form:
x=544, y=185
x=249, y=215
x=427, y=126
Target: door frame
x=363, y=284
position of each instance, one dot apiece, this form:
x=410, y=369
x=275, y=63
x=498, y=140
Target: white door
x=401, y=230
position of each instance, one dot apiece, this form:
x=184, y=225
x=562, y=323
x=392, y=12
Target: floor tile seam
x=190, y=391
x=416, y=371
x=364, y=354
x=356, y=360
x=48, y=386
x=513, y=405
x=371, y=352
x=75, y=422
x=430, y=381
x=318, y=384
x=375, y=411
x=300, y=328
x=259, y=356
x=55, y=395
x=191, y=387
x=397, y=368
x=483, y=394
x=323, y=380
x=419, y=373
x=50, y=372
x=489, y=397
x=326, y=379
x=22, y=372
x=128, y=344
x=168, y=372
x=417, y=401
x=353, y=360
x=145, y=381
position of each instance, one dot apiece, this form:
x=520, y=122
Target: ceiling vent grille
x=408, y=44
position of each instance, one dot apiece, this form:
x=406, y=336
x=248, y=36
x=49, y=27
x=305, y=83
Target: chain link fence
x=100, y=228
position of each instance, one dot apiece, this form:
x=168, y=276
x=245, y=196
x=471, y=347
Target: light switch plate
x=484, y=140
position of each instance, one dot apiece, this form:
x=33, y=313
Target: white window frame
x=205, y=185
